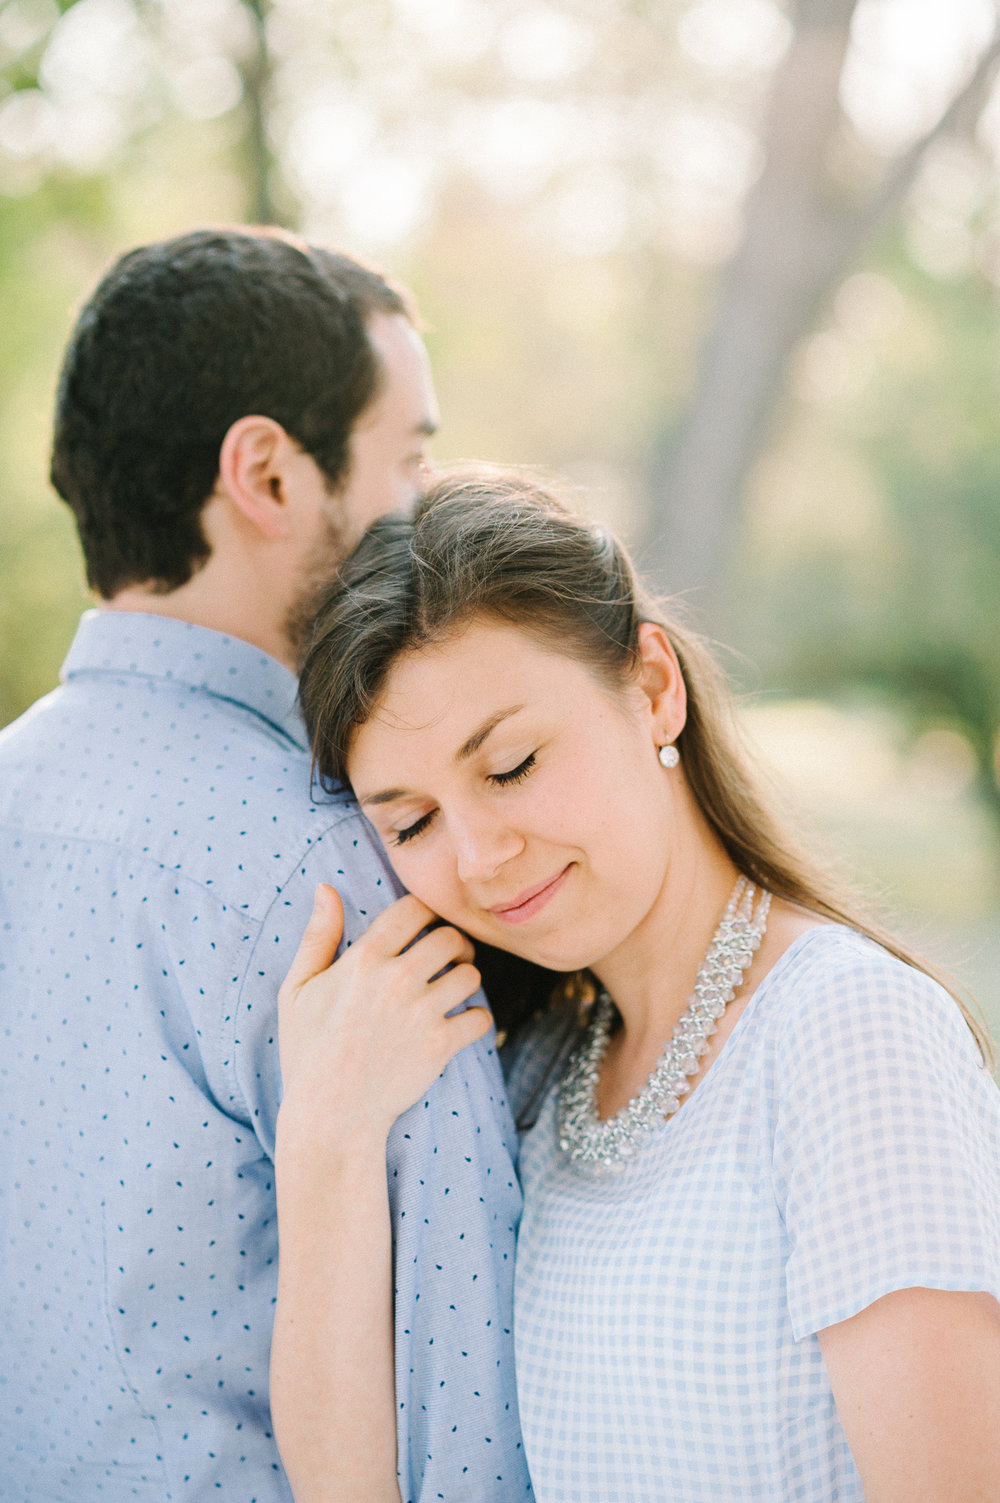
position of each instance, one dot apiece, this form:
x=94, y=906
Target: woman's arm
x=916, y=1377
x=361, y=1040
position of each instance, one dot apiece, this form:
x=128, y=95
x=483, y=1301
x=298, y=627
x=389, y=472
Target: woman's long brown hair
x=498, y=545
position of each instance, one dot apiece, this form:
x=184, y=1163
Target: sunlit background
x=731, y=266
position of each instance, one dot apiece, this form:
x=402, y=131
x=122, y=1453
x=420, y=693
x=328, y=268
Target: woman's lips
x=531, y=901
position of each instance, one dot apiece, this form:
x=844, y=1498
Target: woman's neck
x=650, y=976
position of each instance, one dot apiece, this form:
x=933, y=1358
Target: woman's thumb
x=322, y=936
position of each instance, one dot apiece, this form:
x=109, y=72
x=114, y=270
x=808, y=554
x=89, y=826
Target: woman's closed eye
x=412, y=831
x=515, y=774
x=498, y=779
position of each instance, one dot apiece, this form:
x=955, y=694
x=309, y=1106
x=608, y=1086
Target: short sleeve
x=886, y=1139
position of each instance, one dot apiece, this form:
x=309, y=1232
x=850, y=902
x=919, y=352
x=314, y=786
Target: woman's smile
x=532, y=900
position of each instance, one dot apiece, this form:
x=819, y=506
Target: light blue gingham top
x=845, y=1143
x=159, y=852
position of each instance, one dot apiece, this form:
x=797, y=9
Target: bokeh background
x=731, y=266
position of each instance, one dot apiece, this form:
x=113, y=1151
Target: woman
x=760, y=1251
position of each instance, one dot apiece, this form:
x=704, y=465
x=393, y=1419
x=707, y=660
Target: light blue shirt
x=844, y=1144
x=158, y=859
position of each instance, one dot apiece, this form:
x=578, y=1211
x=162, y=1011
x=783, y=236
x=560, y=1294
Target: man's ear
x=662, y=681
x=253, y=472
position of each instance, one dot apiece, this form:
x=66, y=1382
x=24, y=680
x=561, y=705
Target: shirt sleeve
x=455, y=1204
x=886, y=1140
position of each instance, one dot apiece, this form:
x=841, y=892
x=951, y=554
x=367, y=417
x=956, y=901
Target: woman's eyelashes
x=498, y=779
x=516, y=774
x=412, y=831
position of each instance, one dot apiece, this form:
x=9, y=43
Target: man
x=235, y=407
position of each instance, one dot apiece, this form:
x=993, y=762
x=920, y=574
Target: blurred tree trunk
x=802, y=231
x=257, y=73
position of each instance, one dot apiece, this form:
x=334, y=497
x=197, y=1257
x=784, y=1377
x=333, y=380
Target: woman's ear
x=662, y=682
x=253, y=463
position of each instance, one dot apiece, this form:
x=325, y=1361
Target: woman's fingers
x=466, y=1027
x=397, y=934
x=322, y=935
x=443, y=1032
x=438, y=948
x=375, y=1021
x=397, y=926
x=452, y=989
x=394, y=932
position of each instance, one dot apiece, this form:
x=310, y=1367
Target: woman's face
x=519, y=796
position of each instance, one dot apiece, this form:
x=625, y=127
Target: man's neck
x=217, y=612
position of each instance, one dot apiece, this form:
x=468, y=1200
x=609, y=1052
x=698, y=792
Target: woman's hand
x=364, y=1036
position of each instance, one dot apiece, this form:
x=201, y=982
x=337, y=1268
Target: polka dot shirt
x=158, y=859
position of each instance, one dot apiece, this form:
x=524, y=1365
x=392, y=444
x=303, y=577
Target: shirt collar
x=151, y=646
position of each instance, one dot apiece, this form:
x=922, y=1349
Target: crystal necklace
x=605, y=1147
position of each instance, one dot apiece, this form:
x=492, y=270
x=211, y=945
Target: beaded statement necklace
x=603, y=1147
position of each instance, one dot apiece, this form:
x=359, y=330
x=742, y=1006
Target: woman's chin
x=555, y=955
x=566, y=948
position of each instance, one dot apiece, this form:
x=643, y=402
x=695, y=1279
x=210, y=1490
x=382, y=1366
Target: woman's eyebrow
x=475, y=741
x=465, y=751
x=386, y=797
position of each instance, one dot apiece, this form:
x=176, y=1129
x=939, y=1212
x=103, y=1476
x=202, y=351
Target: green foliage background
x=866, y=567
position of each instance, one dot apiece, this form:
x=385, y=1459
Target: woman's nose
x=482, y=846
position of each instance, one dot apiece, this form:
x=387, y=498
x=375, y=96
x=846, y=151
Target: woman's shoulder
x=835, y=991
x=830, y=962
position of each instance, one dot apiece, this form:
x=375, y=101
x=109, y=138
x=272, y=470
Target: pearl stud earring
x=669, y=755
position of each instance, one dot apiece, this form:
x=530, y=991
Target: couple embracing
x=759, y=1253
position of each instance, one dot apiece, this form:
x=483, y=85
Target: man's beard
x=320, y=570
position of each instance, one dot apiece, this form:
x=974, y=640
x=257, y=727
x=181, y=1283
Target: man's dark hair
x=179, y=341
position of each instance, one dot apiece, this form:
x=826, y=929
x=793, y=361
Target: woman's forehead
x=448, y=689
